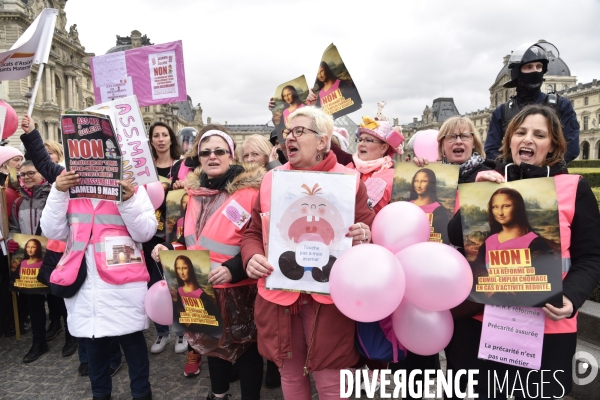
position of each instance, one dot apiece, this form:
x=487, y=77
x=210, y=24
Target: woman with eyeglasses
x=304, y=333
x=377, y=142
x=221, y=197
x=25, y=219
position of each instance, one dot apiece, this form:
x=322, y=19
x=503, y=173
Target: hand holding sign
x=66, y=181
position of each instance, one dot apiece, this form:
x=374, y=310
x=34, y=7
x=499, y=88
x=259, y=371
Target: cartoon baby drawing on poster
x=308, y=231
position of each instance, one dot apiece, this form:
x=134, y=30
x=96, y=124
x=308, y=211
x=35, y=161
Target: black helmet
x=186, y=138
x=526, y=53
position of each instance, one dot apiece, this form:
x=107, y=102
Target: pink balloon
x=159, y=305
x=426, y=145
x=11, y=121
x=421, y=331
x=399, y=225
x=156, y=193
x=437, y=276
x=367, y=283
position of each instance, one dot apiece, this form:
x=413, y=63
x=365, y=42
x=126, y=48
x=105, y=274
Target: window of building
x=586, y=119
x=147, y=109
x=147, y=124
x=506, y=95
x=565, y=87
x=586, y=101
x=496, y=99
x=549, y=89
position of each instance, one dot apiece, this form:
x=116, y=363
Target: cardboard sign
x=512, y=241
x=433, y=188
x=195, y=307
x=155, y=74
x=309, y=217
x=138, y=165
x=91, y=150
x=25, y=264
x=288, y=97
x=335, y=90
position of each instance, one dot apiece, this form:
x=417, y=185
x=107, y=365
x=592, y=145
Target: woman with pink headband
x=221, y=197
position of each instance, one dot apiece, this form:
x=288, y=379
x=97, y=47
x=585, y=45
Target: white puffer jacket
x=101, y=309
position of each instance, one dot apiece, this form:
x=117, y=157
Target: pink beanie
x=8, y=152
x=381, y=128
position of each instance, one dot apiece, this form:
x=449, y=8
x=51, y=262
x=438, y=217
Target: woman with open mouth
x=304, y=333
x=534, y=146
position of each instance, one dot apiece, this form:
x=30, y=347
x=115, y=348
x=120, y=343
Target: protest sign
x=195, y=306
x=176, y=206
x=90, y=150
x=308, y=224
x=433, y=188
x=335, y=90
x=512, y=241
x=155, y=74
x=126, y=118
x=32, y=47
x=26, y=262
x=513, y=335
x=288, y=97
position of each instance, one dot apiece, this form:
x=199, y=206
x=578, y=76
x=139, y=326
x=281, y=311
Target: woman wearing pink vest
x=304, y=333
x=221, y=196
x=103, y=237
x=534, y=147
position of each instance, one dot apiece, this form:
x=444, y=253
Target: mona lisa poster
x=25, y=264
x=288, y=97
x=334, y=88
x=433, y=188
x=195, y=307
x=512, y=241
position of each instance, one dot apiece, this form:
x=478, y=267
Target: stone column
x=69, y=92
x=48, y=78
x=50, y=130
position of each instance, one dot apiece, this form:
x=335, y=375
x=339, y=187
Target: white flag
x=33, y=47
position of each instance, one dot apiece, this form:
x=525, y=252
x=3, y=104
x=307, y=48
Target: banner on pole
x=33, y=47
x=138, y=168
x=155, y=74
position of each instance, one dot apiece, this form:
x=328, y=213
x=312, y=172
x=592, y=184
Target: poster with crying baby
x=310, y=216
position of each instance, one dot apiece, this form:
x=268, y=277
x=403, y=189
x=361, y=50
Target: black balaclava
x=528, y=85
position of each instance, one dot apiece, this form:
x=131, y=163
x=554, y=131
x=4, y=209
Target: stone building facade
x=66, y=83
x=584, y=97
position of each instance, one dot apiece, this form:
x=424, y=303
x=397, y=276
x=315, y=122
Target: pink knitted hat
x=381, y=128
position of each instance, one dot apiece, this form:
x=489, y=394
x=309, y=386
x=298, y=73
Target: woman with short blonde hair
x=55, y=150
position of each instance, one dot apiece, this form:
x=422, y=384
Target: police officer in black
x=527, y=65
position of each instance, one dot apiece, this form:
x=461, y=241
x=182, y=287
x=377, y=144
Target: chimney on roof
x=415, y=119
x=136, y=39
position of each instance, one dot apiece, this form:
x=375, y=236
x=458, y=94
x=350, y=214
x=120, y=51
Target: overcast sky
x=404, y=52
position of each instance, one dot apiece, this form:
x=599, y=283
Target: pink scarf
x=210, y=200
x=364, y=167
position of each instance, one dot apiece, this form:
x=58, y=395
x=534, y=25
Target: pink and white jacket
x=111, y=300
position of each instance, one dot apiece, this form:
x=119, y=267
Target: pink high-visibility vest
x=119, y=259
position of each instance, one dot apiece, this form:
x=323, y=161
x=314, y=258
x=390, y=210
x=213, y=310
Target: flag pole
x=36, y=86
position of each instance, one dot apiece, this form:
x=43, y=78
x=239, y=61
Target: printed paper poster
x=176, y=206
x=433, y=188
x=25, y=264
x=513, y=335
x=335, y=90
x=512, y=241
x=91, y=149
x=155, y=74
x=138, y=165
x=195, y=307
x=289, y=97
x=309, y=218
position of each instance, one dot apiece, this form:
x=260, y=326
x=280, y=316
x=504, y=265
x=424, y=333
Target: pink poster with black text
x=155, y=74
